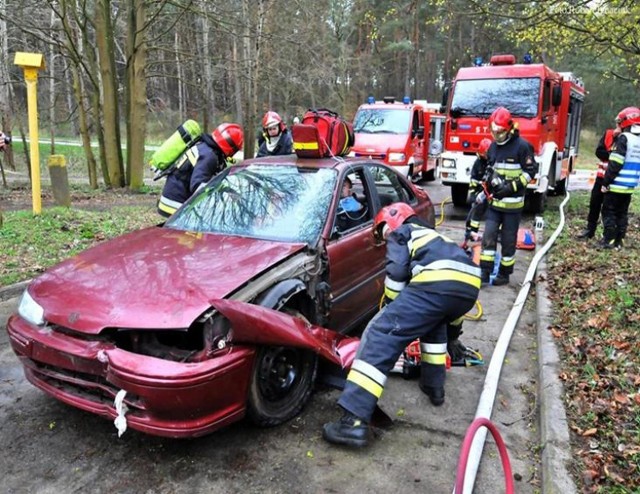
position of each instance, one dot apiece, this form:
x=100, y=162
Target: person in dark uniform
x=277, y=139
x=595, y=201
x=511, y=158
x=430, y=282
x=621, y=179
x=198, y=164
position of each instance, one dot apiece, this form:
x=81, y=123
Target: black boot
x=501, y=279
x=436, y=395
x=348, y=431
x=587, y=233
x=607, y=244
x=485, y=277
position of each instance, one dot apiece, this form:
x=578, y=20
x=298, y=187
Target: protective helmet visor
x=500, y=134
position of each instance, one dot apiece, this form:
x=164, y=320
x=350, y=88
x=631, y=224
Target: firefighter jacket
x=623, y=173
x=478, y=171
x=513, y=163
x=419, y=255
x=283, y=146
x=195, y=167
x=602, y=151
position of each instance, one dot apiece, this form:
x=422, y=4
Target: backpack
x=322, y=133
x=182, y=139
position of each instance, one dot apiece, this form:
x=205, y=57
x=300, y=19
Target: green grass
x=596, y=301
x=588, y=143
x=29, y=244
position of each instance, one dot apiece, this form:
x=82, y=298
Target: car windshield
x=273, y=202
x=480, y=97
x=382, y=121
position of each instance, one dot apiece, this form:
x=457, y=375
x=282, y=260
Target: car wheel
x=281, y=384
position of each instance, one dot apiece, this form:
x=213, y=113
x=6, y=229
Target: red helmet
x=501, y=124
x=270, y=119
x=628, y=117
x=483, y=147
x=393, y=216
x=229, y=137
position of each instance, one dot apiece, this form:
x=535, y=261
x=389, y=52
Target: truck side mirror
x=445, y=97
x=556, y=98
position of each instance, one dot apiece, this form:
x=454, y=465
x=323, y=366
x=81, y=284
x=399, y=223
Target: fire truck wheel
x=535, y=202
x=459, y=194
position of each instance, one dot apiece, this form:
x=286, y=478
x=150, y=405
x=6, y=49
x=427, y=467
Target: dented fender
x=264, y=326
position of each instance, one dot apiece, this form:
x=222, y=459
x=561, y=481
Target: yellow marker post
x=31, y=63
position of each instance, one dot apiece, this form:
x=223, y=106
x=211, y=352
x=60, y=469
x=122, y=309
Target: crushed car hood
x=151, y=278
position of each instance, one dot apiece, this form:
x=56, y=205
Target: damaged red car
x=219, y=313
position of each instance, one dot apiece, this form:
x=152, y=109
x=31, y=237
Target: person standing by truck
x=595, y=201
x=621, y=178
x=478, y=198
x=514, y=165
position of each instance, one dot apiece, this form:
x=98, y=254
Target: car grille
x=82, y=385
x=375, y=156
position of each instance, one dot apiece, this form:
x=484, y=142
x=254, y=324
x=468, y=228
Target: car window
x=354, y=207
x=389, y=187
x=273, y=202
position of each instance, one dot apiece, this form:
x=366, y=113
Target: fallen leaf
x=621, y=397
x=590, y=432
x=310, y=454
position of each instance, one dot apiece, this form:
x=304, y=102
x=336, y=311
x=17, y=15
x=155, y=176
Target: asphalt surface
x=50, y=447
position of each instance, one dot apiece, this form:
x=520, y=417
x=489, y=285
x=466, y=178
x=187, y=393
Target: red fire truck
x=395, y=133
x=546, y=106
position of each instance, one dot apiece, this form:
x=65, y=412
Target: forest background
x=129, y=72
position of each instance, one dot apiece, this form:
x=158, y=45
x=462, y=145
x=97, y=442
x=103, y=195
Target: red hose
x=466, y=447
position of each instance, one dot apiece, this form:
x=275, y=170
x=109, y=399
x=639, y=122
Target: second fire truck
x=546, y=106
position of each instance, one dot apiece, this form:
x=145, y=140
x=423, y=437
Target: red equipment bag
x=322, y=133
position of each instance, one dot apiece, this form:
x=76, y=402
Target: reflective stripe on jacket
x=624, y=164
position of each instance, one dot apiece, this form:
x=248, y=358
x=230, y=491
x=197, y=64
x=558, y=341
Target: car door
x=356, y=260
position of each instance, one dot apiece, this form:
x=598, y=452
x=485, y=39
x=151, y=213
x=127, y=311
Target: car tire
x=281, y=383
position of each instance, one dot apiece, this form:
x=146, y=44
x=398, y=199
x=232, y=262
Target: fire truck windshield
x=480, y=97
x=382, y=121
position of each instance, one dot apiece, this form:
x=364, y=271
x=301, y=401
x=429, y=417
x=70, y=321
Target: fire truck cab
x=395, y=133
x=546, y=107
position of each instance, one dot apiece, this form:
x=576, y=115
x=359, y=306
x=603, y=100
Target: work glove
x=481, y=197
x=604, y=189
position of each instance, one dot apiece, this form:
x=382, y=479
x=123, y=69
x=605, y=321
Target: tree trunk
x=136, y=93
x=110, y=120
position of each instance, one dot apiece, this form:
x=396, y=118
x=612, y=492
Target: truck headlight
x=448, y=163
x=30, y=310
x=396, y=157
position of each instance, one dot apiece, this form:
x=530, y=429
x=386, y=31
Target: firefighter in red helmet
x=512, y=166
x=198, y=164
x=277, y=139
x=477, y=198
x=621, y=178
x=425, y=270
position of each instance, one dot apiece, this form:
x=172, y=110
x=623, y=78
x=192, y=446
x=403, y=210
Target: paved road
x=50, y=447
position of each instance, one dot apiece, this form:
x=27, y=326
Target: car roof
x=338, y=163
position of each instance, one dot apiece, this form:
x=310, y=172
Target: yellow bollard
x=31, y=63
x=59, y=179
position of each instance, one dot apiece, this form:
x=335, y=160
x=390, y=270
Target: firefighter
x=198, y=164
x=425, y=270
x=513, y=166
x=595, y=202
x=277, y=139
x=478, y=197
x=621, y=178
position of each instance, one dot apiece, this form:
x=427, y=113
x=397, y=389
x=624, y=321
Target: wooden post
x=59, y=179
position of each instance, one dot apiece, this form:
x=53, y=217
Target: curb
x=10, y=291
x=554, y=429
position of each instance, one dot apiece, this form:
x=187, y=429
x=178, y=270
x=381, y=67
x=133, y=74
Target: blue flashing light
x=406, y=100
x=527, y=59
x=465, y=144
x=371, y=100
x=477, y=61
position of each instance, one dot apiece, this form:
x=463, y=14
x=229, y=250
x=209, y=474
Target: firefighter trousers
x=506, y=224
x=595, y=205
x=615, y=216
x=419, y=311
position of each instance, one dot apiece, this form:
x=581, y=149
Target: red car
x=187, y=322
